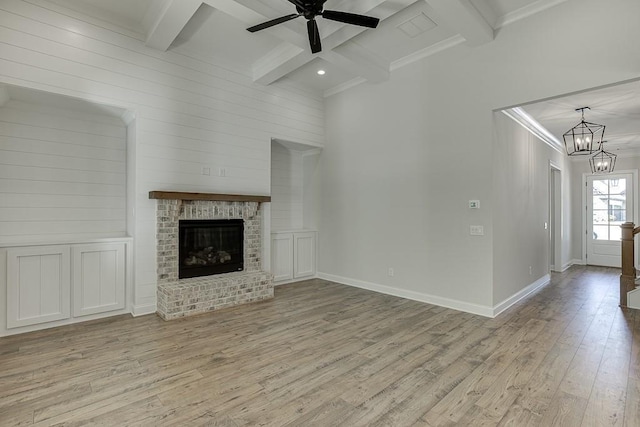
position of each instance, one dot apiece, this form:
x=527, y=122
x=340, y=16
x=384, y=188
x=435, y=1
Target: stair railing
x=628, y=276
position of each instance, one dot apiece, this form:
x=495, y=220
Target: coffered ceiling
x=216, y=29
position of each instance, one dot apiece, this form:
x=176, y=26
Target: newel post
x=628, y=276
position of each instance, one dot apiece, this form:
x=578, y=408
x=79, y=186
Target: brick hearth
x=186, y=297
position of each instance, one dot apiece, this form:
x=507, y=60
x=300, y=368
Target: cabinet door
x=38, y=285
x=282, y=256
x=304, y=254
x=98, y=278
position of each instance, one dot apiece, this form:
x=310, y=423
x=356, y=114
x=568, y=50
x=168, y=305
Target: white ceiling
x=616, y=107
x=409, y=30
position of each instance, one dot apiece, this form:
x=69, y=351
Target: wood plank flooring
x=323, y=354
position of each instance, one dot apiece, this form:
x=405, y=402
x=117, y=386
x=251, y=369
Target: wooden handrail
x=628, y=276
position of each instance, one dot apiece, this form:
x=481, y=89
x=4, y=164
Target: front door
x=609, y=204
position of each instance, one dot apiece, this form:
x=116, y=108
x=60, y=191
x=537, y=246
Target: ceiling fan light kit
x=312, y=8
x=585, y=138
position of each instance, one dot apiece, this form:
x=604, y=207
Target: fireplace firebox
x=208, y=247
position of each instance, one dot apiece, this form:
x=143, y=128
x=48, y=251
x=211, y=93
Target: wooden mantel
x=176, y=195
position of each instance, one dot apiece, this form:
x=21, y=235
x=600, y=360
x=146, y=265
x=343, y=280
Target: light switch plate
x=476, y=230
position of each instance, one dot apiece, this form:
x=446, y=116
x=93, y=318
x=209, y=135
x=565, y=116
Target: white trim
x=577, y=261
x=525, y=12
x=344, y=86
x=481, y=310
x=402, y=62
x=142, y=310
x=568, y=265
x=504, y=305
x=633, y=299
x=427, y=51
x=299, y=279
x=521, y=117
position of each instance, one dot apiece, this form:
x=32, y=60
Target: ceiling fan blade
x=298, y=3
x=272, y=23
x=314, y=36
x=351, y=18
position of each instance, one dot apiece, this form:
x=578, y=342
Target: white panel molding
x=481, y=310
x=507, y=303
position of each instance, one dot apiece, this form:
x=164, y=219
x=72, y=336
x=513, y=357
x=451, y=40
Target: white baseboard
x=541, y=282
x=412, y=295
x=633, y=299
x=142, y=310
x=578, y=262
x=567, y=266
x=441, y=301
x=300, y=279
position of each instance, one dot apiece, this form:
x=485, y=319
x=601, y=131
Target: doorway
x=555, y=218
x=610, y=203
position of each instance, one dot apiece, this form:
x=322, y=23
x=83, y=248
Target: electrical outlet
x=530, y=270
x=474, y=204
x=222, y=172
x=390, y=272
x=206, y=171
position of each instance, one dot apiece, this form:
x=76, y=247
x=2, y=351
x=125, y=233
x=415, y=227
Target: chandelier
x=602, y=161
x=584, y=138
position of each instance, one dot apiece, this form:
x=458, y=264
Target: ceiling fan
x=312, y=8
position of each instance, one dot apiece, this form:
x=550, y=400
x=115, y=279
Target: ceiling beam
x=169, y=23
x=333, y=35
x=250, y=13
x=463, y=17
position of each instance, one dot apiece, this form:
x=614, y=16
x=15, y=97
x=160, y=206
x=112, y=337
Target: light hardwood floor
x=326, y=354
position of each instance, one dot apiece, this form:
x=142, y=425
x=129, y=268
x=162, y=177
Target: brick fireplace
x=186, y=297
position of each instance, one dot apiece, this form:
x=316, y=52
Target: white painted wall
x=286, y=188
x=521, y=190
x=190, y=113
x=403, y=157
x=62, y=174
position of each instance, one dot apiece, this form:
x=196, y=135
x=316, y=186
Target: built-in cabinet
x=293, y=255
x=58, y=282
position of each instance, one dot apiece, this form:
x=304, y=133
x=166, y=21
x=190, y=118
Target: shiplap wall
x=62, y=174
x=286, y=188
x=190, y=113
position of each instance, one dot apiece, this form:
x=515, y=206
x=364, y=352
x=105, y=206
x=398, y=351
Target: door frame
x=634, y=174
x=556, y=216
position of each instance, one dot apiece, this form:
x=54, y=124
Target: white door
x=609, y=204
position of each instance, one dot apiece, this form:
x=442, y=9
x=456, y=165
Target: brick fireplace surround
x=186, y=297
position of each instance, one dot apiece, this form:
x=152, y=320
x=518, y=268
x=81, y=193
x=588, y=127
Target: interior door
x=609, y=204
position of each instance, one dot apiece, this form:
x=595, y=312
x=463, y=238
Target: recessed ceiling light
x=321, y=72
